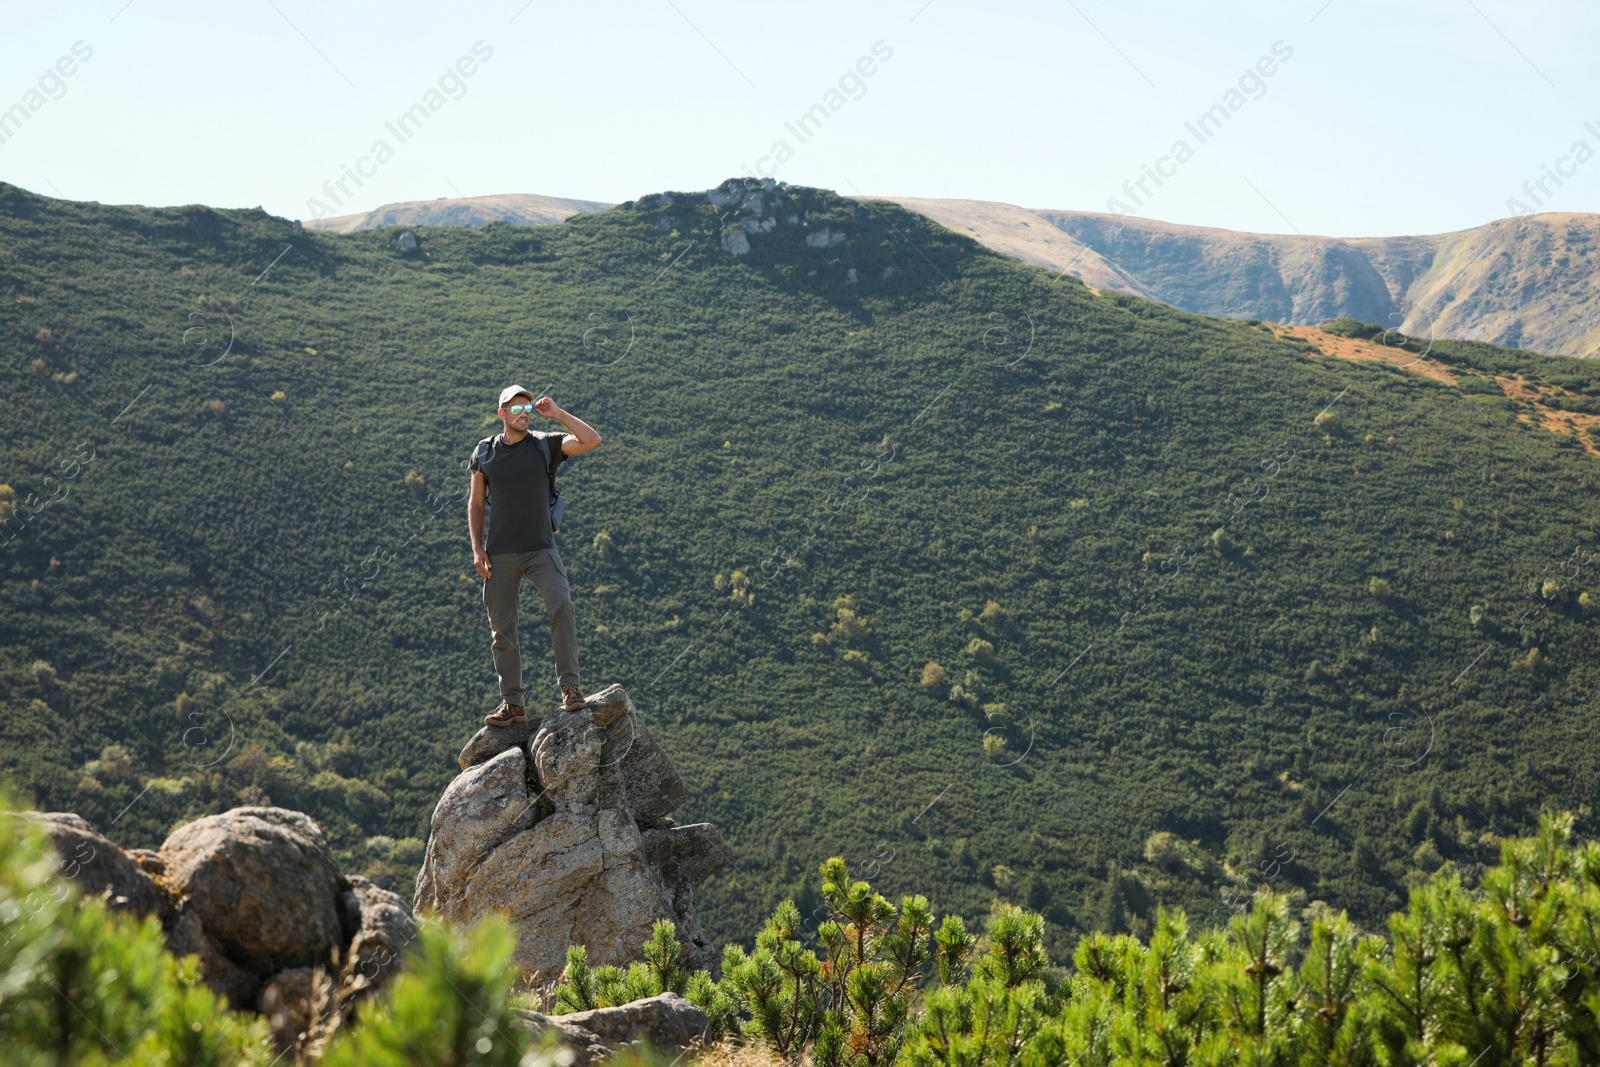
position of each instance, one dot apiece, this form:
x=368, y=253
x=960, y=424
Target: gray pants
x=501, y=591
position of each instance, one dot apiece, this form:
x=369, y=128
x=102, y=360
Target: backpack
x=480, y=455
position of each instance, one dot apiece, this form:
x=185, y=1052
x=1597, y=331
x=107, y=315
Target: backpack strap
x=549, y=469
x=557, y=506
x=480, y=454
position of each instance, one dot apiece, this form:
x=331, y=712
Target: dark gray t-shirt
x=519, y=493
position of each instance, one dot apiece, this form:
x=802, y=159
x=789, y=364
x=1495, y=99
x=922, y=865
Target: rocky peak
x=563, y=826
x=757, y=206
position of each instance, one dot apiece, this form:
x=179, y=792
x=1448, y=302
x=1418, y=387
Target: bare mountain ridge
x=1530, y=282
x=519, y=209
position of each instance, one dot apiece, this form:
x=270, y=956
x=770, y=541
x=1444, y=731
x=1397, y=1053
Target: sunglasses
x=520, y=409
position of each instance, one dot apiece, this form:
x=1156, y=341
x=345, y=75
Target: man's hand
x=480, y=560
x=547, y=407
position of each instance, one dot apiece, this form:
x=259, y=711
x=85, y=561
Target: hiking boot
x=572, y=699
x=506, y=715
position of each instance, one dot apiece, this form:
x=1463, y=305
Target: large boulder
x=255, y=894
x=384, y=927
x=566, y=753
x=586, y=856
x=264, y=886
x=481, y=808
x=99, y=868
x=605, y=757
x=635, y=773
x=571, y=880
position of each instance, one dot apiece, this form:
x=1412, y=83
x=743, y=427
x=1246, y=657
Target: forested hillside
x=907, y=552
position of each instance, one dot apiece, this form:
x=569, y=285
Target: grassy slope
x=1530, y=282
x=1023, y=234
x=1230, y=705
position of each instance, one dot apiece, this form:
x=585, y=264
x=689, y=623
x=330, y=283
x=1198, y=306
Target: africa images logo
x=52, y=85
x=810, y=121
x=1204, y=127
x=406, y=126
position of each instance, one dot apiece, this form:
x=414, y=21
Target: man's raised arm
x=583, y=439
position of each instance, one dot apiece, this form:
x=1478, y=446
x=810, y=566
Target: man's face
x=519, y=421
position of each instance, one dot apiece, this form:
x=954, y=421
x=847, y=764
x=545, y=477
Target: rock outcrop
x=256, y=894
x=99, y=868
x=264, y=887
x=564, y=828
x=754, y=206
x=666, y=1022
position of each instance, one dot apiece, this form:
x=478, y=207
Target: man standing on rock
x=512, y=471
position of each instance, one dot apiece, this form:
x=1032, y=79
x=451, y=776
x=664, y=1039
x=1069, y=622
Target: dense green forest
x=906, y=551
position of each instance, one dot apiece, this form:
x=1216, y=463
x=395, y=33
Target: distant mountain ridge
x=520, y=209
x=1528, y=282
x=1525, y=283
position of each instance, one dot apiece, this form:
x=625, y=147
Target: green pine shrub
x=1508, y=974
x=450, y=1003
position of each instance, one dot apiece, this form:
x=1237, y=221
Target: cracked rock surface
x=564, y=829
x=256, y=894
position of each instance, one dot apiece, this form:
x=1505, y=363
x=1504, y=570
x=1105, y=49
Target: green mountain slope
x=1525, y=282
x=251, y=579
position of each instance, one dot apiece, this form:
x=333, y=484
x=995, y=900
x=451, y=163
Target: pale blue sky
x=1401, y=116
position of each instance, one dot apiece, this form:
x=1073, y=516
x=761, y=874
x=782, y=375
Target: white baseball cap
x=510, y=391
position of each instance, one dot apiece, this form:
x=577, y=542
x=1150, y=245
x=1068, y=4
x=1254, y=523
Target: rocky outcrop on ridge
x=563, y=826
